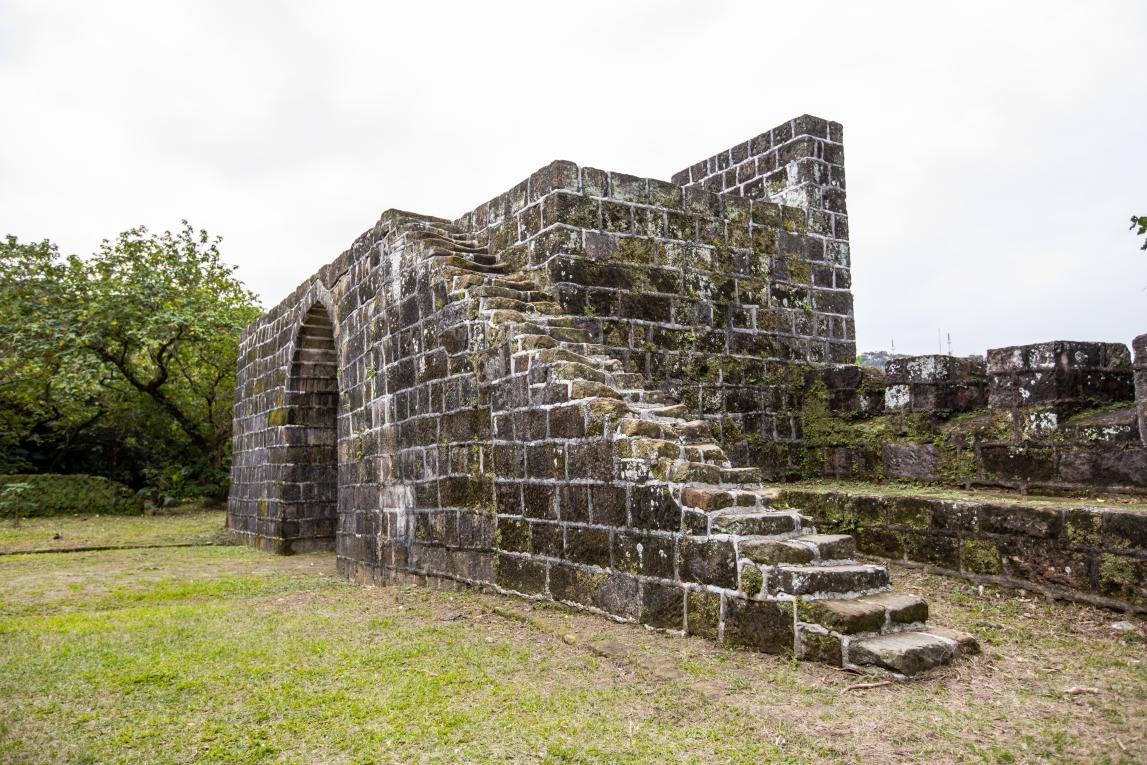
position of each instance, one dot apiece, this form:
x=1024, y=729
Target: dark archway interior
x=311, y=492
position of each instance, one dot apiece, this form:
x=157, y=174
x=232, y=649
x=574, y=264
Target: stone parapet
x=1064, y=376
x=935, y=383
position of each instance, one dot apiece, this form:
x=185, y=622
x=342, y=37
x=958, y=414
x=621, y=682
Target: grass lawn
x=223, y=654
x=193, y=525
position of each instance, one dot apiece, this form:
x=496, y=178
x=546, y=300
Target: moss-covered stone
x=703, y=613
x=980, y=557
x=751, y=580
x=1082, y=527
x=818, y=646
x=1123, y=577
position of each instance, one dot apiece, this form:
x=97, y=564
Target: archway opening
x=311, y=506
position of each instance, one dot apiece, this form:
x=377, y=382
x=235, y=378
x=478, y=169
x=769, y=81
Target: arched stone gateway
x=547, y=396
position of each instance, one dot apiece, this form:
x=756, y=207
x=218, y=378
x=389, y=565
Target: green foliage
x=1140, y=222
x=122, y=363
x=45, y=494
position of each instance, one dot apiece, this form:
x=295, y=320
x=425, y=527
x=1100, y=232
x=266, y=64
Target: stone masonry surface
x=548, y=397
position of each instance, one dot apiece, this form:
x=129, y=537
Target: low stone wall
x=1049, y=418
x=1096, y=555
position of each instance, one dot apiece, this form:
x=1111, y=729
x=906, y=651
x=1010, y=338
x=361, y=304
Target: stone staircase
x=845, y=612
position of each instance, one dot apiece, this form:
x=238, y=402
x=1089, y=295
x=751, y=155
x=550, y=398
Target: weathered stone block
x=546, y=539
x=1044, y=562
x=513, y=535
x=662, y=606
x=1125, y=529
x=901, y=608
x=938, y=550
x=882, y=542
x=652, y=507
x=1082, y=527
x=907, y=653
x=1096, y=466
x=708, y=561
x=934, y=369
x=646, y=554
x=1017, y=464
x=1024, y=520
x=588, y=545
x=520, y=574
x=913, y=462
x=760, y=625
x=815, y=645
x=845, y=616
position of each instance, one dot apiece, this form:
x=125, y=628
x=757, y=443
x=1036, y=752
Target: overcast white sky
x=995, y=151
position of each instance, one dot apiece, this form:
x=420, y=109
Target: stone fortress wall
x=575, y=391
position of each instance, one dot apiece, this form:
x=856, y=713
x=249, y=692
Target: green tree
x=49, y=399
x=141, y=338
x=1140, y=221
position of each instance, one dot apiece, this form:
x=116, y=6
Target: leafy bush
x=30, y=496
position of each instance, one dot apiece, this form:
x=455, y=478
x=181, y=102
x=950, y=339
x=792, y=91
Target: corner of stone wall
x=1139, y=345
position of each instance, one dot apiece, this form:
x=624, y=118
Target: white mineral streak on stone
x=395, y=270
x=1043, y=423
x=896, y=396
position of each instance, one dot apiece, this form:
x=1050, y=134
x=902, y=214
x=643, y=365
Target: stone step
x=905, y=653
x=494, y=291
x=564, y=321
x=506, y=316
x=901, y=607
x=845, y=617
x=826, y=581
x=670, y=412
x=872, y=613
x=473, y=280
x=709, y=453
x=741, y=475
x=546, y=307
x=556, y=353
x=500, y=303
x=707, y=499
x=809, y=548
x=627, y=380
x=648, y=449
x=580, y=389
x=423, y=231
x=635, y=426
x=643, y=396
x=569, y=335
x=586, y=349
x=532, y=342
x=763, y=523
x=566, y=370
x=689, y=472
x=695, y=431
x=512, y=304
x=465, y=264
